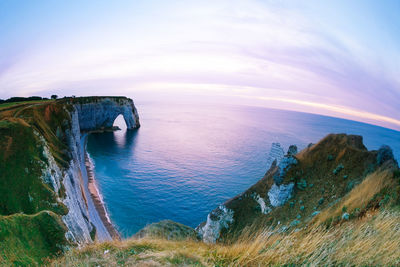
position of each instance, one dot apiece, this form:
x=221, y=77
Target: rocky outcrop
x=285, y=164
x=299, y=186
x=223, y=216
x=279, y=195
x=217, y=220
x=263, y=206
x=101, y=113
x=275, y=154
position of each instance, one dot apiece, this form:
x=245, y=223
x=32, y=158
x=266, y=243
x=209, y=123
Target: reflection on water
x=120, y=136
x=185, y=160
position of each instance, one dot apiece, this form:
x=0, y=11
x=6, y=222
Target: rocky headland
x=311, y=207
x=298, y=186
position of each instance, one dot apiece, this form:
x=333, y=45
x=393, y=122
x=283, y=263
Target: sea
x=186, y=159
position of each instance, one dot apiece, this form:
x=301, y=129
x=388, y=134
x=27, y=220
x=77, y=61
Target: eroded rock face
x=263, y=206
x=285, y=164
x=103, y=112
x=82, y=219
x=77, y=219
x=275, y=154
x=279, y=195
x=298, y=187
x=217, y=220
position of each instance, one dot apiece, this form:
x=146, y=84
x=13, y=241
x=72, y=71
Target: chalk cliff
x=89, y=114
x=54, y=170
x=299, y=186
x=100, y=112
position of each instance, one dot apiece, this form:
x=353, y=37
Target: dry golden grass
x=372, y=240
x=360, y=196
x=369, y=238
x=138, y=252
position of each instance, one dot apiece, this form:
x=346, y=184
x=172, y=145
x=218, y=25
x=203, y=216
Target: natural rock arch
x=103, y=112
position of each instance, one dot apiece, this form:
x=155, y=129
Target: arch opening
x=120, y=122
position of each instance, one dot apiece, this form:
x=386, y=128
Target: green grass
x=31, y=229
x=372, y=240
x=30, y=212
x=6, y=105
x=24, y=196
x=114, y=253
x=27, y=232
x=183, y=259
x=30, y=239
x=32, y=102
x=21, y=161
x=169, y=230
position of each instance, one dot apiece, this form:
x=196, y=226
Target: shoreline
x=96, y=197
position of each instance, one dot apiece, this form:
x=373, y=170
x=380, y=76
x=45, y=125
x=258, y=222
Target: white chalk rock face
x=276, y=153
x=85, y=114
x=263, y=206
x=88, y=115
x=279, y=194
x=77, y=219
x=218, y=219
x=103, y=111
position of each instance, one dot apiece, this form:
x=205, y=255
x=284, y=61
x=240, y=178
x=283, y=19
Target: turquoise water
x=187, y=159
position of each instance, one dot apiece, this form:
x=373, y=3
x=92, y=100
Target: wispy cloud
x=290, y=55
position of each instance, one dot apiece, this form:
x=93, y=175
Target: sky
x=339, y=58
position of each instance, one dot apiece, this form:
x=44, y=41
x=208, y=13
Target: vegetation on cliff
x=353, y=225
x=168, y=230
x=319, y=188
x=33, y=135
x=344, y=208
x=30, y=211
x=370, y=240
x=31, y=239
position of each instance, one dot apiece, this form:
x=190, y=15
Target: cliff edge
x=302, y=187
x=43, y=177
x=332, y=204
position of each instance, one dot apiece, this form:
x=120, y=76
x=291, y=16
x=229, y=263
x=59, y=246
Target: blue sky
x=339, y=58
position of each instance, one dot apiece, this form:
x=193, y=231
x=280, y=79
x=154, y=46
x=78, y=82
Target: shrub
x=338, y=169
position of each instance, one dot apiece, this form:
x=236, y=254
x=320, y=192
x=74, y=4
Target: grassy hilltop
x=344, y=209
x=323, y=180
